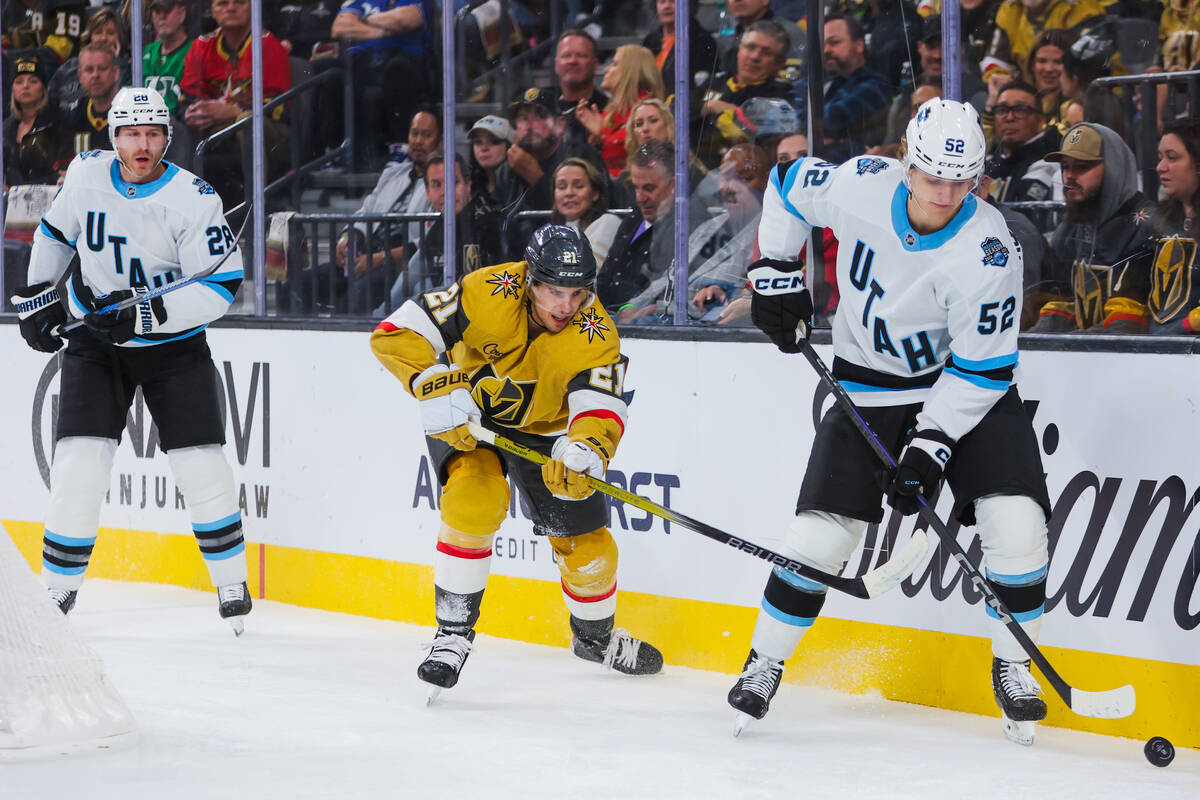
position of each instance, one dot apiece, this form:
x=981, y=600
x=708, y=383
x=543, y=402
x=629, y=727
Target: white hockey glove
x=570, y=461
x=446, y=405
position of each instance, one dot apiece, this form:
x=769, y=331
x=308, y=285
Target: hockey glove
x=919, y=470
x=446, y=405
x=781, y=307
x=118, y=327
x=571, y=460
x=40, y=315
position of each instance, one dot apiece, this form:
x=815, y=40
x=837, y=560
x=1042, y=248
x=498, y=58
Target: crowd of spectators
x=592, y=145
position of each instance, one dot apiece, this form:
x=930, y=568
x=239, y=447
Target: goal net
x=53, y=692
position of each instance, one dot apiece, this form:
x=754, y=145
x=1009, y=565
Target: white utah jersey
x=139, y=235
x=922, y=319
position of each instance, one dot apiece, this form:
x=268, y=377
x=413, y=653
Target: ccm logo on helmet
x=768, y=281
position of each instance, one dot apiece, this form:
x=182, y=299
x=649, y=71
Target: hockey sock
x=790, y=606
x=206, y=480
x=588, y=564
x=78, y=483
x=1012, y=530
x=460, y=572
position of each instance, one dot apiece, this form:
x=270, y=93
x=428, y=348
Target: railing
x=291, y=179
x=1146, y=141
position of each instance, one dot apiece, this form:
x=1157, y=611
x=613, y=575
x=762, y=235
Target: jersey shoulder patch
x=202, y=186
x=870, y=165
x=995, y=254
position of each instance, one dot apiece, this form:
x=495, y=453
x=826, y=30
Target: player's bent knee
x=824, y=540
x=588, y=562
x=203, y=474
x=475, y=497
x=1012, y=530
x=81, y=467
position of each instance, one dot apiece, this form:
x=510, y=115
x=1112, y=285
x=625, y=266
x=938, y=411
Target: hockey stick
x=873, y=584
x=1111, y=704
x=130, y=302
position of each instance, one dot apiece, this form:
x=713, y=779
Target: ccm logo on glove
x=778, y=284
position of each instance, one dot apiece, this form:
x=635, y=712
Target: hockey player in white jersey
x=925, y=342
x=137, y=223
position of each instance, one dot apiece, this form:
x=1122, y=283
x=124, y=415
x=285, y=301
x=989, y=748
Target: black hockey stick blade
x=878, y=581
x=1110, y=704
x=129, y=302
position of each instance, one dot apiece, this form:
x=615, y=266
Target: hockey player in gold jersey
x=526, y=349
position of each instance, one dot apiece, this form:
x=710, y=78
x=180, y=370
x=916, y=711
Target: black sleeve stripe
x=56, y=233
x=782, y=170
x=1003, y=374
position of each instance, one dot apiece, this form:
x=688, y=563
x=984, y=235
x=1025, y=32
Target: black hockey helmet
x=559, y=256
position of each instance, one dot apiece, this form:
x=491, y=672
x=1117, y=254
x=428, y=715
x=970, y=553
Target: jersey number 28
x=219, y=239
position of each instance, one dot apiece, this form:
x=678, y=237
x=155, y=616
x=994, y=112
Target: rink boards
x=340, y=513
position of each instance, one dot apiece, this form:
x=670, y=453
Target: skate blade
x=238, y=625
x=740, y=721
x=1019, y=732
x=434, y=691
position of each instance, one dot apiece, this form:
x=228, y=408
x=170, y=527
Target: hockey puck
x=1159, y=751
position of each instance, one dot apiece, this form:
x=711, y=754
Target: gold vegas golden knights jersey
x=539, y=386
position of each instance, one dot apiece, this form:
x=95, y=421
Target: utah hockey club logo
x=994, y=253
x=870, y=165
x=504, y=282
x=589, y=322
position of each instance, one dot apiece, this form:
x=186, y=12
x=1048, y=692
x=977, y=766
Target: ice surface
x=310, y=704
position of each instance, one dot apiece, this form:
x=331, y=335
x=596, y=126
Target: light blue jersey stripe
x=1023, y=616
x=205, y=527
x=70, y=541
x=787, y=619
x=999, y=362
x=62, y=570
x=1018, y=580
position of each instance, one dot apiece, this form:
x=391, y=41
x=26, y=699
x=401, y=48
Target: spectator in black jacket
x=702, y=48
x=34, y=142
x=858, y=97
x=645, y=242
x=1023, y=140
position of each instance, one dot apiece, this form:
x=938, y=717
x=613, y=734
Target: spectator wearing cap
x=760, y=55
x=1101, y=252
x=1023, y=139
x=858, y=97
x=524, y=181
x=490, y=139
x=630, y=76
x=162, y=60
x=35, y=147
x=389, y=45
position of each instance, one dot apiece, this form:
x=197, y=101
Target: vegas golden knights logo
x=1093, y=287
x=1171, y=277
x=471, y=260
x=502, y=400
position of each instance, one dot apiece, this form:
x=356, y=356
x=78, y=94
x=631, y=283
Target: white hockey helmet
x=945, y=140
x=136, y=106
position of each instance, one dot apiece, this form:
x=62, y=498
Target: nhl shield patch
x=994, y=252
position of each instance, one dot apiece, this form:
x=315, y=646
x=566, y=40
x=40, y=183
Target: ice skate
x=64, y=598
x=619, y=651
x=751, y=695
x=1018, y=695
x=447, y=654
x=234, y=604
